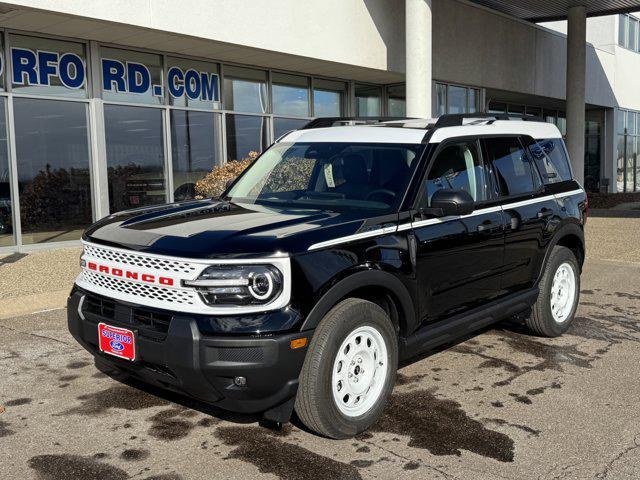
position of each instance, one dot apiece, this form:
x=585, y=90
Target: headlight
x=238, y=284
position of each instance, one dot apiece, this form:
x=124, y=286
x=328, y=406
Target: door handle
x=545, y=212
x=488, y=225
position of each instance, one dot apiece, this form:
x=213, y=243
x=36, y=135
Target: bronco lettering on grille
x=120, y=272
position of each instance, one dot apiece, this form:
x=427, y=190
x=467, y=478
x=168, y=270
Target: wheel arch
x=377, y=286
x=571, y=236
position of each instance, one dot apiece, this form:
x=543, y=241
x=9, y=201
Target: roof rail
x=457, y=119
x=322, y=122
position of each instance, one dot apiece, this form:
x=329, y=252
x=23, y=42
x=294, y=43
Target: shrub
x=215, y=182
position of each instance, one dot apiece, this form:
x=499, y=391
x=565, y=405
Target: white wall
x=367, y=33
x=495, y=51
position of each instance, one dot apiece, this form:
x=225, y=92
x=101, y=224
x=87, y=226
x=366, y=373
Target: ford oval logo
x=116, y=346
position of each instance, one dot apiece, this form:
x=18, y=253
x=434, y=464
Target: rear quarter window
x=551, y=159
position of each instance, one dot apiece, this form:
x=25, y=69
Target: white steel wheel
x=359, y=371
x=563, y=292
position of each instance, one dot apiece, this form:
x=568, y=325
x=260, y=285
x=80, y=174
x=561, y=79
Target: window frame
x=535, y=175
x=421, y=197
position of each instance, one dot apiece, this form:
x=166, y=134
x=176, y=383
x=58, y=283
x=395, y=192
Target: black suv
x=346, y=247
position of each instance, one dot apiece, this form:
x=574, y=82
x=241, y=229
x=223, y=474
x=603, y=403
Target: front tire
x=349, y=371
x=557, y=302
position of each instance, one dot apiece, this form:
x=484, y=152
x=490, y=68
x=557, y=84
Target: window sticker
x=328, y=175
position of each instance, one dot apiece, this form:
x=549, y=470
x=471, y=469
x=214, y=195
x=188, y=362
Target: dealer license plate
x=116, y=341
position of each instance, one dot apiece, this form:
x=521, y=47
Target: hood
x=215, y=229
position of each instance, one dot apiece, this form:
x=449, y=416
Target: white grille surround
x=157, y=280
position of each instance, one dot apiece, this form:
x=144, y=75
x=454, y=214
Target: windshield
x=329, y=176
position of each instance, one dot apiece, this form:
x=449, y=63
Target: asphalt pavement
x=501, y=404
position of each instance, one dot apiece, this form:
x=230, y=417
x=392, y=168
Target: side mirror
x=451, y=203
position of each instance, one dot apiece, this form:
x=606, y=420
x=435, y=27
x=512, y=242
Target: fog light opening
x=240, y=381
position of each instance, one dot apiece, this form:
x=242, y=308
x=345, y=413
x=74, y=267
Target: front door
x=458, y=259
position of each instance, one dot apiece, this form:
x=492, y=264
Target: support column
x=576, y=83
x=418, y=57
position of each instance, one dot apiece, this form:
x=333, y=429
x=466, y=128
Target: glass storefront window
x=441, y=98
x=41, y=66
x=135, y=156
x=290, y=94
x=245, y=134
x=456, y=99
x=631, y=123
x=328, y=97
x=6, y=220
x=194, y=149
x=474, y=100
x=130, y=76
x=622, y=29
x=192, y=83
x=284, y=125
x=367, y=100
x=632, y=32
x=516, y=109
x=52, y=152
x=620, y=162
x=245, y=89
x=630, y=167
x=396, y=101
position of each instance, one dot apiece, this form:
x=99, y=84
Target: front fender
x=359, y=280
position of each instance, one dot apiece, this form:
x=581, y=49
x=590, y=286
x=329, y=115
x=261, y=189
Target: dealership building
x=113, y=104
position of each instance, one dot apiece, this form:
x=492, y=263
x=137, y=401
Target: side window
x=458, y=167
x=512, y=166
x=551, y=159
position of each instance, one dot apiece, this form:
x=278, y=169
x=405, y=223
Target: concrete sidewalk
x=42, y=280
x=38, y=281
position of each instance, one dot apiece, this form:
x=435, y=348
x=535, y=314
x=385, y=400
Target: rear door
x=529, y=210
x=459, y=259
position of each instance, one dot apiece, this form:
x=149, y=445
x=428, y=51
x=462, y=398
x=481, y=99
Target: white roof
x=536, y=130
x=357, y=134
x=379, y=133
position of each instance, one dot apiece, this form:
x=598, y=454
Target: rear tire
x=349, y=371
x=558, y=300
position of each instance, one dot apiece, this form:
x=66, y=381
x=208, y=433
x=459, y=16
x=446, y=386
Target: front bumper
x=174, y=353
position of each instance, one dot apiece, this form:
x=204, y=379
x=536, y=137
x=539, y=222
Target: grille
x=139, y=290
x=240, y=354
x=139, y=260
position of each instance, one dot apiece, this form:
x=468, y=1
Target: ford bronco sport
x=346, y=247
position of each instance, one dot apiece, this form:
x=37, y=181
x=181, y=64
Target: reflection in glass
x=474, y=99
x=153, y=63
x=368, y=100
x=55, y=87
x=245, y=134
x=207, y=68
x=6, y=222
x=284, y=125
x=620, y=117
x=135, y=156
x=328, y=97
x=396, y=101
x=620, y=164
x=245, y=90
x=290, y=94
x=194, y=148
x=52, y=153
x=631, y=159
x=497, y=107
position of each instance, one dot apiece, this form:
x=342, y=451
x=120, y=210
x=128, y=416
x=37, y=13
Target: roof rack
x=457, y=119
x=322, y=122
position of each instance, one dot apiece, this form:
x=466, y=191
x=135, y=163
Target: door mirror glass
x=452, y=202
